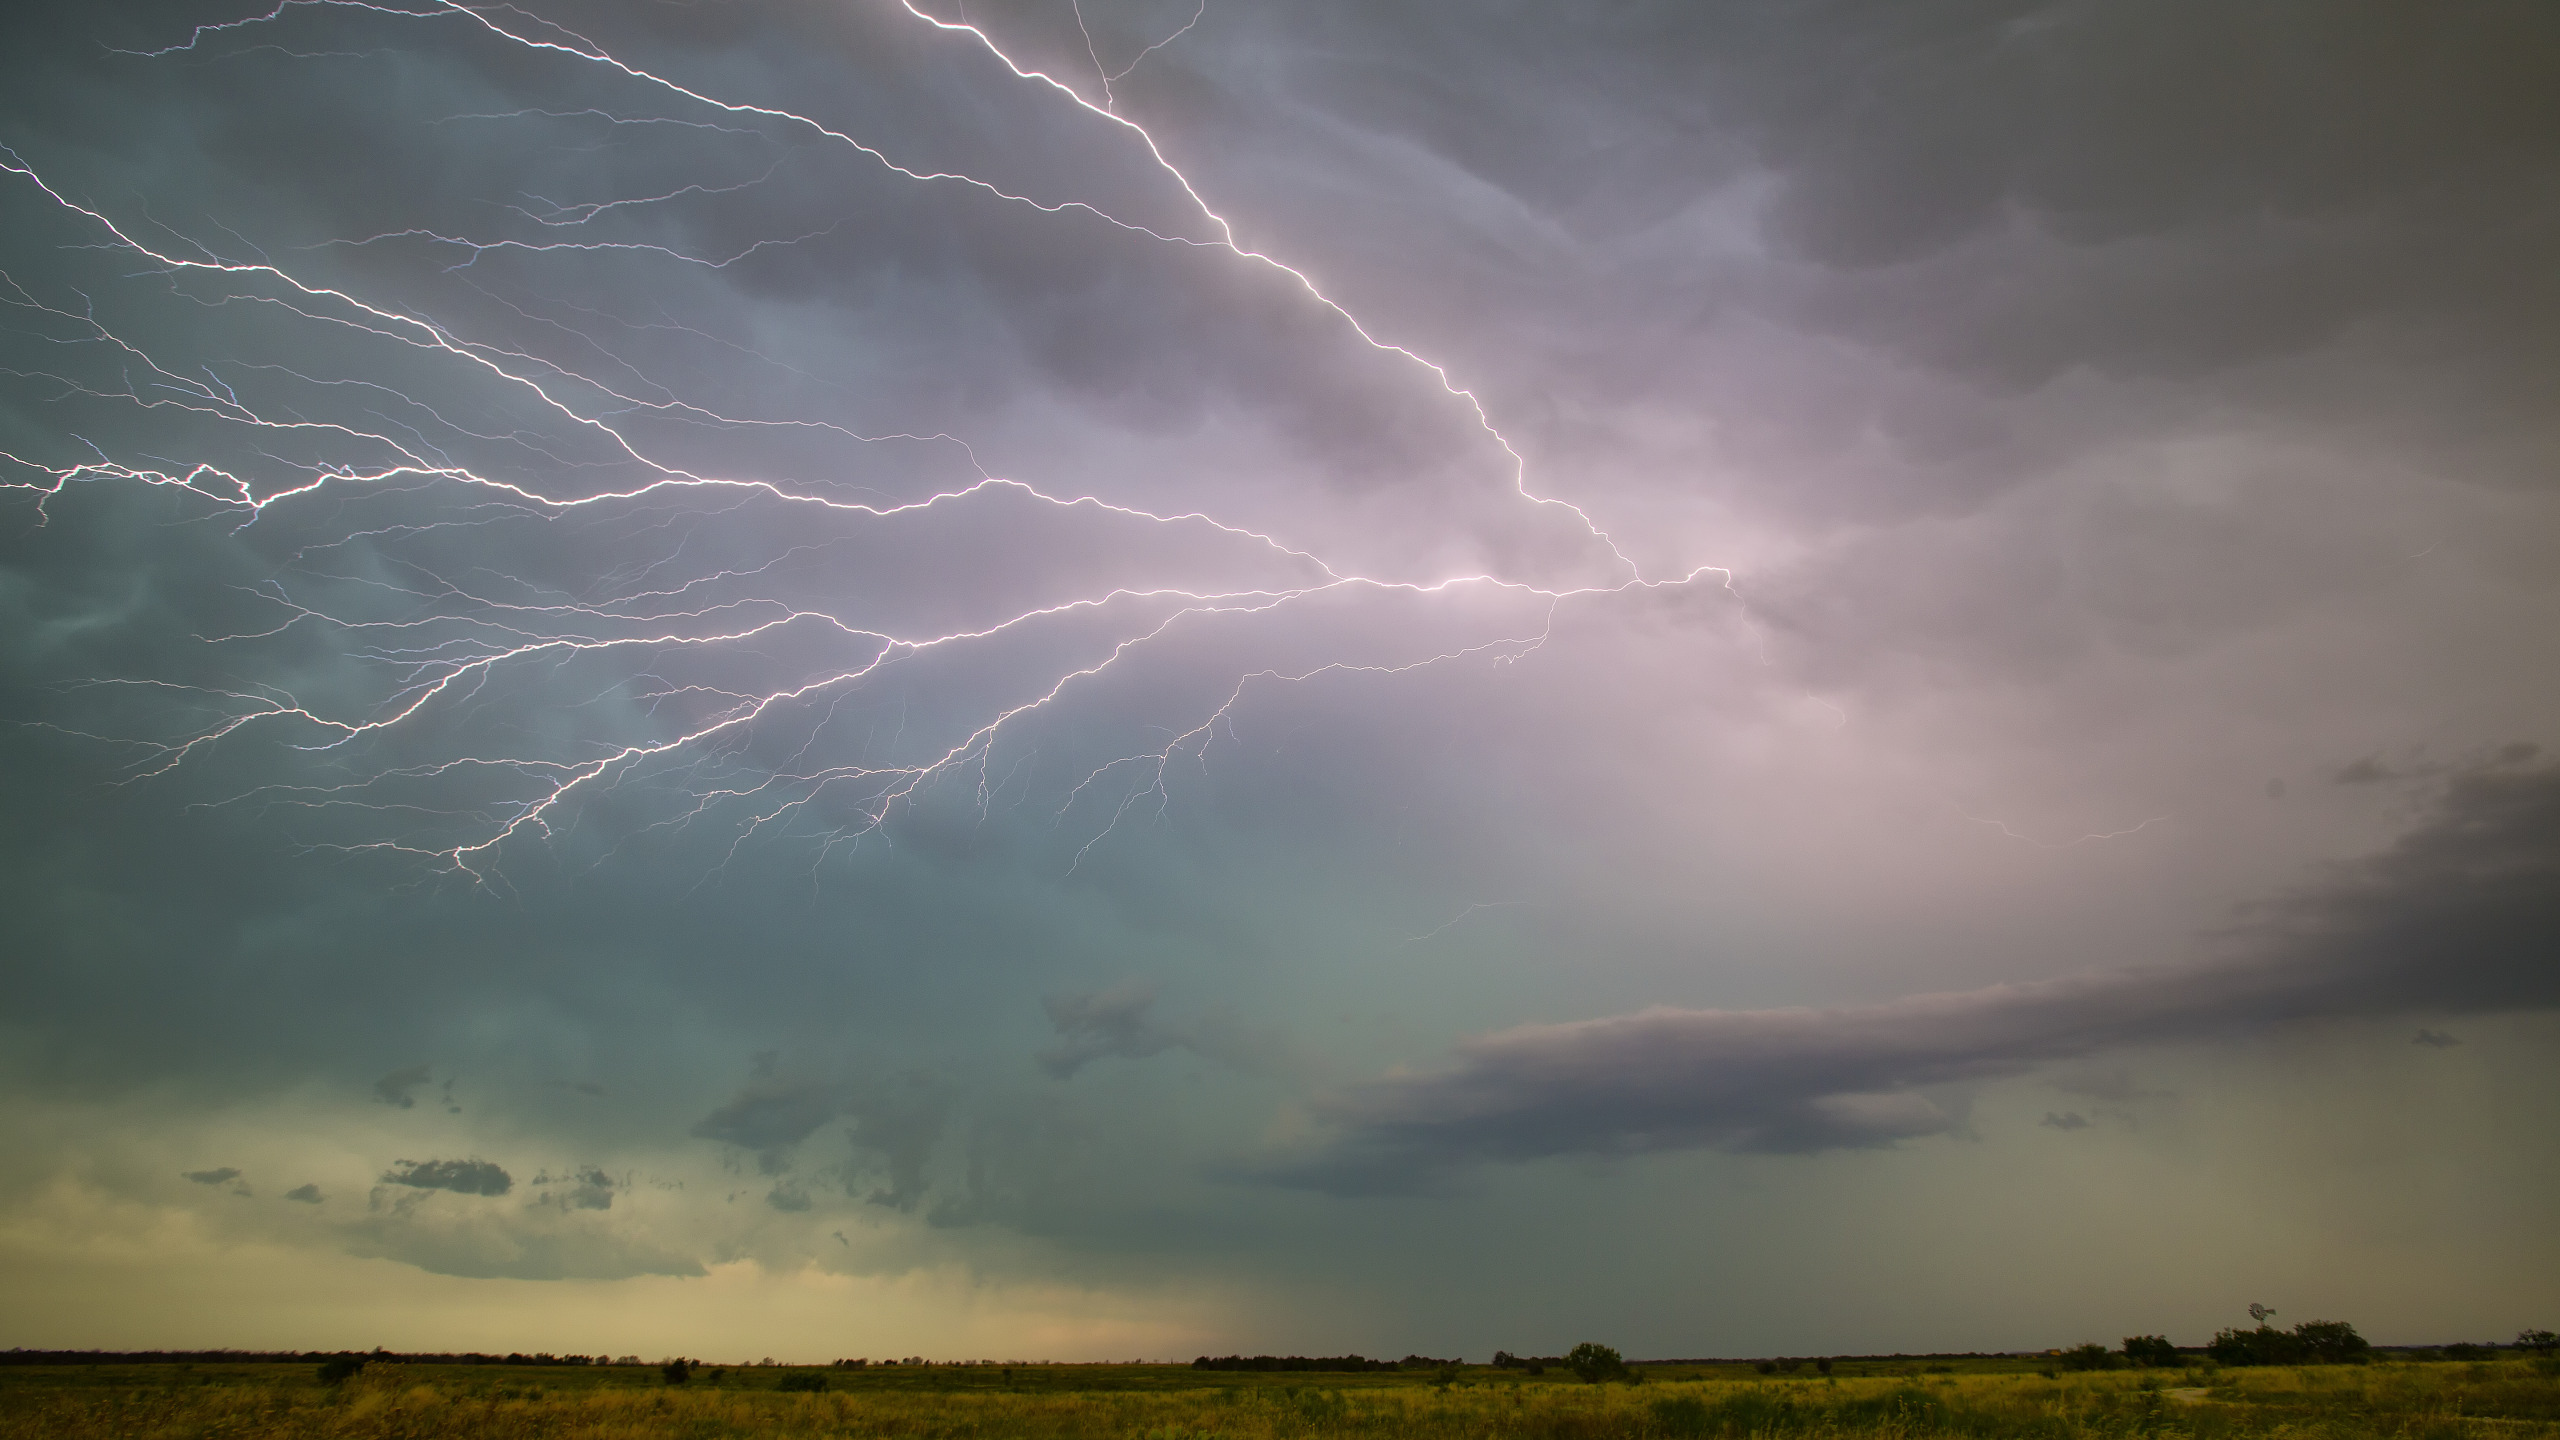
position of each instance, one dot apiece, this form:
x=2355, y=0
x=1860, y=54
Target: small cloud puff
x=462, y=1177
x=305, y=1194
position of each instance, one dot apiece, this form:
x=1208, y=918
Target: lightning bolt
x=678, y=642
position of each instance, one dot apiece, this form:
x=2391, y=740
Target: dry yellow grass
x=2510, y=1400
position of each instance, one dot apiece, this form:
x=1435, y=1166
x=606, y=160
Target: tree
x=2149, y=1350
x=2092, y=1356
x=2332, y=1342
x=2540, y=1342
x=677, y=1371
x=1595, y=1363
x=2266, y=1345
x=2313, y=1342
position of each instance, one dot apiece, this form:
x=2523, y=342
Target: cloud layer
x=2462, y=914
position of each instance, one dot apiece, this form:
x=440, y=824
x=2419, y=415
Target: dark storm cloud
x=222, y=1176
x=772, y=1119
x=1120, y=1023
x=1833, y=267
x=588, y=1188
x=395, y=1088
x=462, y=1177
x=1112, y=1022
x=2462, y=913
x=895, y=1125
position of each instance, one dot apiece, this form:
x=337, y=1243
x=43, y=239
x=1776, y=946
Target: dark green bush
x=2149, y=1350
x=1595, y=1363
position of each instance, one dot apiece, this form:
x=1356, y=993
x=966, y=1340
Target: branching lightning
x=685, y=651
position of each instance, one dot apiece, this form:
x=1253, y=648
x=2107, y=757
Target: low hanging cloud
x=894, y=1125
x=2461, y=914
x=462, y=1177
x=222, y=1176
x=305, y=1194
x=394, y=1089
x=1119, y=1023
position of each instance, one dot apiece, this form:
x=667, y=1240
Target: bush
x=2332, y=1342
x=1595, y=1363
x=338, y=1368
x=2313, y=1342
x=677, y=1371
x=2092, y=1356
x=806, y=1382
x=2149, y=1350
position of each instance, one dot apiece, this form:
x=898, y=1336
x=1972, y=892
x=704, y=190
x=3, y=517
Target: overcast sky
x=832, y=679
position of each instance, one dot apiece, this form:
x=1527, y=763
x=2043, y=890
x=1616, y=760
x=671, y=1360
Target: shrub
x=677, y=1371
x=2332, y=1342
x=2313, y=1342
x=1595, y=1363
x=338, y=1368
x=2149, y=1350
x=805, y=1382
x=2092, y=1356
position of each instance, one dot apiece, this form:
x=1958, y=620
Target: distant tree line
x=295, y=1357
x=1349, y=1364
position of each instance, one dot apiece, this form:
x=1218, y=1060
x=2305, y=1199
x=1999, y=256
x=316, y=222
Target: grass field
x=2510, y=1399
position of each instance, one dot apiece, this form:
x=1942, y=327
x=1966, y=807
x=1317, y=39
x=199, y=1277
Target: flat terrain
x=2510, y=1399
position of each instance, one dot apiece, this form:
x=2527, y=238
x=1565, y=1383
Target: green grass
x=2506, y=1399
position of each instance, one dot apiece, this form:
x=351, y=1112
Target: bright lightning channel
x=445, y=669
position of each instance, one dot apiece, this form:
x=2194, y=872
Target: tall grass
x=2509, y=1400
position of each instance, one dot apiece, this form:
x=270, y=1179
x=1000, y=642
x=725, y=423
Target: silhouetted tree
x=2092, y=1356
x=2149, y=1350
x=2313, y=1342
x=1595, y=1363
x=2332, y=1342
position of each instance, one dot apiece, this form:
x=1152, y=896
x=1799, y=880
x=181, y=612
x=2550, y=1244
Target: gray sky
x=1736, y=679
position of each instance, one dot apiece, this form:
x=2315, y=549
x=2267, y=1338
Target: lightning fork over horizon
x=523, y=630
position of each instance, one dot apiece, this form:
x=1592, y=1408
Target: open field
x=2511, y=1399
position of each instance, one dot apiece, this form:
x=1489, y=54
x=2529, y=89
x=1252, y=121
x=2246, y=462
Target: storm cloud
x=2462, y=914
x=1721, y=590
